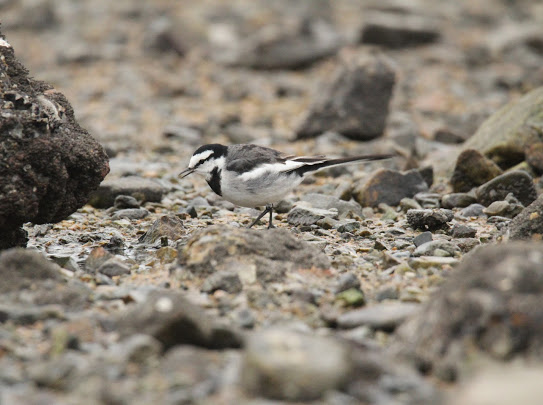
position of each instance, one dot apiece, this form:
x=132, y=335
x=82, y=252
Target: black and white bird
x=256, y=176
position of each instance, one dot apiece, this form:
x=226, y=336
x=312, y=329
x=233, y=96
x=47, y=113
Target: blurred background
x=141, y=73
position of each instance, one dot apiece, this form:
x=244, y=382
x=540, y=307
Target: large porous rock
x=173, y=320
x=505, y=136
x=48, y=163
x=529, y=223
x=29, y=280
x=356, y=102
x=492, y=304
x=263, y=255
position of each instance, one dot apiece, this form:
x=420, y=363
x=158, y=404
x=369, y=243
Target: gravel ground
x=159, y=294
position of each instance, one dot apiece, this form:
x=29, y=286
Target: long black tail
x=316, y=164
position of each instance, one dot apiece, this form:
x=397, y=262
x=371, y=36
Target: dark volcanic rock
x=173, y=320
x=269, y=253
x=472, y=169
x=356, y=102
x=517, y=182
x=49, y=164
x=529, y=223
x=429, y=220
x=389, y=187
x=493, y=302
x=395, y=30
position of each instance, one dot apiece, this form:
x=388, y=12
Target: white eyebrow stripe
x=271, y=167
x=199, y=157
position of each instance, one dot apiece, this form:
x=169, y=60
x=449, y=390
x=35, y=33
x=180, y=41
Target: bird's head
x=205, y=160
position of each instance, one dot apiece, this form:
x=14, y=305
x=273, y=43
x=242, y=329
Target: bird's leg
x=270, y=225
x=269, y=208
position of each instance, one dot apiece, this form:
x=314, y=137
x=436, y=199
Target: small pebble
x=423, y=238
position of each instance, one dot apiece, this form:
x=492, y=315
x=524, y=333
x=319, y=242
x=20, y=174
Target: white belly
x=269, y=188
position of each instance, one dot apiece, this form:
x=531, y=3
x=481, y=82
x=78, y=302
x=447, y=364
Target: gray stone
x=60, y=372
x=529, y=223
x=508, y=208
x=473, y=210
x=457, y=200
x=283, y=46
x=428, y=200
x=130, y=213
x=356, y=102
x=96, y=258
x=500, y=385
x=327, y=202
x=303, y=214
x=534, y=157
x=20, y=268
x=139, y=349
x=385, y=316
x=349, y=226
x=167, y=226
x=172, y=320
x=504, y=136
x=428, y=219
x=430, y=248
x=287, y=365
x=222, y=280
x=126, y=201
x=471, y=170
x=492, y=302
x=346, y=281
x=394, y=30
x=27, y=315
x=463, y=231
x=263, y=255
x=517, y=182
x=422, y=238
x=143, y=189
x=389, y=187
x=113, y=267
x=28, y=278
x=407, y=204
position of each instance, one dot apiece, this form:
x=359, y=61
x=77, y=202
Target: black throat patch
x=215, y=181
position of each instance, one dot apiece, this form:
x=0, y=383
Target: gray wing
x=244, y=158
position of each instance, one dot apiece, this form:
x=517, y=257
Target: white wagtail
x=255, y=176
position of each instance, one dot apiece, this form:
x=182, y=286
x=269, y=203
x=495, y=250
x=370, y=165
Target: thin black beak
x=186, y=172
